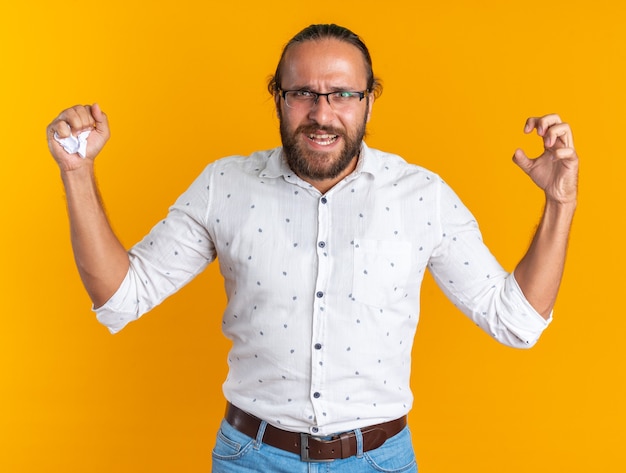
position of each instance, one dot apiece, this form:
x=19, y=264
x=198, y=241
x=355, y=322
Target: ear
x=277, y=104
x=370, y=105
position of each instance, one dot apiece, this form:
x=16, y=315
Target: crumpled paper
x=74, y=144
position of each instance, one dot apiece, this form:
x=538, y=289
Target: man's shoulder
x=381, y=161
x=245, y=160
x=240, y=164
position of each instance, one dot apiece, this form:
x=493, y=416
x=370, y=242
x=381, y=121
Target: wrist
x=79, y=180
x=562, y=206
x=558, y=214
x=82, y=171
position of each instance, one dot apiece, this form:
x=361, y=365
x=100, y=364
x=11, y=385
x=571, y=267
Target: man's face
x=322, y=143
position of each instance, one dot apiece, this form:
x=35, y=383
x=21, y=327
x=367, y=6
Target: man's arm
x=101, y=259
x=540, y=271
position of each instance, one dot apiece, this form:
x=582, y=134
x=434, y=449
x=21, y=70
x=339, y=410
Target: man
x=323, y=244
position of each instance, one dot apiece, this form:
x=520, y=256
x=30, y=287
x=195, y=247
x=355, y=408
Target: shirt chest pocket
x=381, y=271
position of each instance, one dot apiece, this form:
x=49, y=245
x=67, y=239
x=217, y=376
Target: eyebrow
x=331, y=90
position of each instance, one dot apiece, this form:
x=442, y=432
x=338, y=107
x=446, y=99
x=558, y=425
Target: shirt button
x=320, y=294
x=324, y=200
x=315, y=430
x=318, y=346
x=321, y=244
x=316, y=395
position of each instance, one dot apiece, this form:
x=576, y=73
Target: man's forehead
x=327, y=55
x=323, y=46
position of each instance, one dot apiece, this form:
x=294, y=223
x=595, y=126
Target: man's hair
x=327, y=31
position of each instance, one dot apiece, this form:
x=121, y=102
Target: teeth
x=323, y=139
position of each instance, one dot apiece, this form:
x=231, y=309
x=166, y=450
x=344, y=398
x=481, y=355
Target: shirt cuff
x=522, y=319
x=118, y=311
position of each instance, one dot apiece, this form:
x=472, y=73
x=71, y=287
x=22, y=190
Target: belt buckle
x=304, y=450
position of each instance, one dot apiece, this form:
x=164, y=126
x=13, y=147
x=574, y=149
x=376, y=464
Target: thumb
x=102, y=123
x=523, y=161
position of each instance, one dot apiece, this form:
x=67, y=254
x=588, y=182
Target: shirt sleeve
x=176, y=250
x=476, y=283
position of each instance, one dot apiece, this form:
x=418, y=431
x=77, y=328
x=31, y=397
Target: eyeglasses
x=305, y=99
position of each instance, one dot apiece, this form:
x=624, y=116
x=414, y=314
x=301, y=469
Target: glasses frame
x=317, y=95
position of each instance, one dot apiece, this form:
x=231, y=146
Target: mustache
x=315, y=129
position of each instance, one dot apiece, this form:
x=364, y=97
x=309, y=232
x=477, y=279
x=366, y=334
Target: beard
x=317, y=165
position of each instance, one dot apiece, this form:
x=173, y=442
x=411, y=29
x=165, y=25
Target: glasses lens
x=300, y=98
x=344, y=99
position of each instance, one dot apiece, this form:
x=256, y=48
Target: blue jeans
x=235, y=452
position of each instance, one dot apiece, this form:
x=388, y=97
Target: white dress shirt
x=323, y=290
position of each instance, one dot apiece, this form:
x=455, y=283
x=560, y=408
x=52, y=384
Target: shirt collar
x=367, y=163
x=276, y=165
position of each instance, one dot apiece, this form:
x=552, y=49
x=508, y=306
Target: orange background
x=183, y=83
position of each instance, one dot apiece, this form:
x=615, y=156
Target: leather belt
x=310, y=448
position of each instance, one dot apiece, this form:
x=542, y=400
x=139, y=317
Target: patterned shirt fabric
x=323, y=290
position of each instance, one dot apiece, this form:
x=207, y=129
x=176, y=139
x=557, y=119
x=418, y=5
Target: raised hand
x=73, y=121
x=555, y=171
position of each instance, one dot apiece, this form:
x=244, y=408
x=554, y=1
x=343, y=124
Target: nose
x=321, y=112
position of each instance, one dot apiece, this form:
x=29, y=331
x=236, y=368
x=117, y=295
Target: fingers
x=541, y=123
x=76, y=119
x=566, y=154
x=554, y=132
